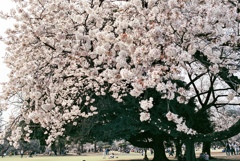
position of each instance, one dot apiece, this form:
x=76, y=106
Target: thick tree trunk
x=207, y=148
x=190, y=151
x=159, y=151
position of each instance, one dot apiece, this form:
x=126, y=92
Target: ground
x=118, y=157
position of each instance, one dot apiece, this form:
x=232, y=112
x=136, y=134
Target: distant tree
x=4, y=146
x=31, y=147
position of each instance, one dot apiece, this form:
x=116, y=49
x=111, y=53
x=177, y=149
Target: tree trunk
x=178, y=146
x=207, y=148
x=79, y=148
x=82, y=150
x=190, y=151
x=145, y=155
x=95, y=146
x=159, y=151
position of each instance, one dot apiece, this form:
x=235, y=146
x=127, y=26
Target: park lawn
x=118, y=157
x=93, y=158
x=227, y=158
x=72, y=158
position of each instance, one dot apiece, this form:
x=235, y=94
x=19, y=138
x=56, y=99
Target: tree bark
x=207, y=148
x=145, y=155
x=159, y=151
x=82, y=150
x=79, y=148
x=95, y=146
x=178, y=146
x=190, y=151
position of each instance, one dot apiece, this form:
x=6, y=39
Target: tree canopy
x=65, y=56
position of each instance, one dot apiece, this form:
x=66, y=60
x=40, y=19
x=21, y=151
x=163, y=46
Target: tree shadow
x=214, y=159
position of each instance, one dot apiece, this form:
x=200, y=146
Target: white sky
x=4, y=24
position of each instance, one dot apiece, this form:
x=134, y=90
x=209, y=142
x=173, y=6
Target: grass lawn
x=89, y=157
x=69, y=158
x=118, y=157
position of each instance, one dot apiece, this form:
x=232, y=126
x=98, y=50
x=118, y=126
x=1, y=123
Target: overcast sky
x=5, y=6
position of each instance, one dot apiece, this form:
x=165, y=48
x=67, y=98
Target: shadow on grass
x=223, y=159
x=215, y=159
x=133, y=160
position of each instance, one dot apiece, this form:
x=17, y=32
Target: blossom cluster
x=145, y=106
x=180, y=123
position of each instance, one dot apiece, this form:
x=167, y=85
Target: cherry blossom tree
x=64, y=53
